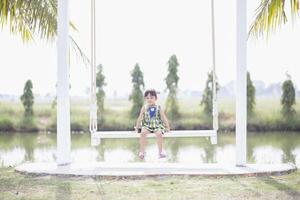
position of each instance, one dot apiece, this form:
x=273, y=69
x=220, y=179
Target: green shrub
x=6, y=124
x=27, y=125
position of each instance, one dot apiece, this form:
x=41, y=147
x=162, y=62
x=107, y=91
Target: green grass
x=267, y=116
x=15, y=186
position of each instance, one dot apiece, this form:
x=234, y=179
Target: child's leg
x=159, y=139
x=143, y=136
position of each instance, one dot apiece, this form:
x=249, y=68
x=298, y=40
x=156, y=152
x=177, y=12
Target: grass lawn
x=16, y=186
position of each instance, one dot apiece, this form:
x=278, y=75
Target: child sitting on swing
x=152, y=119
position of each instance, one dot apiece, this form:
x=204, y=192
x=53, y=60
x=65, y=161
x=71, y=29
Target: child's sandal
x=161, y=155
x=141, y=155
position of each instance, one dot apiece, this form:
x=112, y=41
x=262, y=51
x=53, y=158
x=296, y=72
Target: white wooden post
x=63, y=100
x=241, y=82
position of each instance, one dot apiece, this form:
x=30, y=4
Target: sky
x=148, y=32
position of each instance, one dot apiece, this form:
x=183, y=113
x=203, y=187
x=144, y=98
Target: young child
x=152, y=119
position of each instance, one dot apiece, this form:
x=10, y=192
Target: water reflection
x=29, y=145
x=261, y=148
x=296, y=154
x=44, y=155
x=12, y=157
x=118, y=155
x=84, y=155
x=268, y=154
x=152, y=154
x=225, y=154
x=191, y=154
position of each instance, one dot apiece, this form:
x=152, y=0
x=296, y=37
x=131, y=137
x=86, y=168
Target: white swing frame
x=96, y=135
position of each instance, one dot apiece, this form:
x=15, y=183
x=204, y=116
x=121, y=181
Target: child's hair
x=152, y=92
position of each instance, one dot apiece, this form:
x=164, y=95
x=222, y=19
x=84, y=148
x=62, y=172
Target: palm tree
x=32, y=18
x=270, y=15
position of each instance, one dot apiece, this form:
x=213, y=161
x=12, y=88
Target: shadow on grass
x=282, y=187
x=100, y=190
x=292, y=192
x=245, y=187
x=63, y=191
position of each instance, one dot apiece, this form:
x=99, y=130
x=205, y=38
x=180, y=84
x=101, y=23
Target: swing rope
x=93, y=105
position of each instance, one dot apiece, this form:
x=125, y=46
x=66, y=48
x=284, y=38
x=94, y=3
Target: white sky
x=149, y=32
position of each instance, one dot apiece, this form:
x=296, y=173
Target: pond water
x=271, y=147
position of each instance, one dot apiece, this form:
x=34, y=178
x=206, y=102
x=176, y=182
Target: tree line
x=288, y=97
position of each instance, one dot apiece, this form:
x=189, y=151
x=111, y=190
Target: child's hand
x=137, y=129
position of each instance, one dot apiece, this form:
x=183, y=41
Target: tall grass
x=267, y=116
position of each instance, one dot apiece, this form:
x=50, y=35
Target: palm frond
x=294, y=8
x=78, y=51
x=31, y=18
x=270, y=15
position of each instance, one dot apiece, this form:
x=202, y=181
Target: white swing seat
x=98, y=135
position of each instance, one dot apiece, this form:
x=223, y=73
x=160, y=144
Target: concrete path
x=151, y=169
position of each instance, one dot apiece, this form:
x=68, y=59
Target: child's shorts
x=151, y=130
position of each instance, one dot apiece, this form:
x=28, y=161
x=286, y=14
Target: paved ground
x=151, y=169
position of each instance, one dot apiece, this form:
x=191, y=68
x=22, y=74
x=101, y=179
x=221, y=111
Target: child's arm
x=139, y=119
x=164, y=119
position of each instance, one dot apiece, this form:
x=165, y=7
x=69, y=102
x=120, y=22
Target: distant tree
x=172, y=108
x=250, y=95
x=54, y=103
x=137, y=79
x=288, y=98
x=207, y=96
x=28, y=99
x=100, y=83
